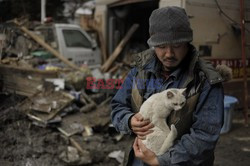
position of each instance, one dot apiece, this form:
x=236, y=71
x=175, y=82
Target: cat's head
x=175, y=98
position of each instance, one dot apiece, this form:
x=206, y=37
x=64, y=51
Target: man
x=172, y=62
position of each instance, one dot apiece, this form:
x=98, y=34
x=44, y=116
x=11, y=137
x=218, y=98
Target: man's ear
x=170, y=95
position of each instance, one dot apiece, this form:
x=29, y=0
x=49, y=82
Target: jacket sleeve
x=121, y=105
x=195, y=147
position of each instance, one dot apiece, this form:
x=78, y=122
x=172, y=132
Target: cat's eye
x=182, y=103
x=175, y=104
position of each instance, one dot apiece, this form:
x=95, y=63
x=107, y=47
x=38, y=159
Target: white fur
x=157, y=108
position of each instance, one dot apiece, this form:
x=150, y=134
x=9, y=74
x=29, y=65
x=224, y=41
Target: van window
x=75, y=38
x=48, y=35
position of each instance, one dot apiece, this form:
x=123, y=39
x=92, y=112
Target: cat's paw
x=173, y=129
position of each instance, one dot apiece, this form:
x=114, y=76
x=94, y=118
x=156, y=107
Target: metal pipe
x=243, y=54
x=43, y=11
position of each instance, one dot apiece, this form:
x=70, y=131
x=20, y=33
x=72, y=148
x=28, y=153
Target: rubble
x=118, y=155
x=76, y=138
x=57, y=119
x=45, y=105
x=71, y=157
x=57, y=109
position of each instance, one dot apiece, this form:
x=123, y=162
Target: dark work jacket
x=199, y=129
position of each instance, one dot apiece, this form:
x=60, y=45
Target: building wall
x=180, y=3
x=213, y=29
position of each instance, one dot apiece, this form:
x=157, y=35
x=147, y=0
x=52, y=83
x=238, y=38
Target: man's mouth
x=169, y=60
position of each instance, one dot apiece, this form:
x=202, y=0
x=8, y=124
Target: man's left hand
x=143, y=153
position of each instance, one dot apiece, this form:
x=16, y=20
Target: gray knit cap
x=169, y=25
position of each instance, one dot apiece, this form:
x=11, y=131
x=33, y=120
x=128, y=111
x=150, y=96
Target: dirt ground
x=233, y=148
x=25, y=144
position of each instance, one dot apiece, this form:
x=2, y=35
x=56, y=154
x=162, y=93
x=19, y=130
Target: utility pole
x=43, y=10
x=243, y=53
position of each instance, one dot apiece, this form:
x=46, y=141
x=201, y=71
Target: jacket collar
x=154, y=66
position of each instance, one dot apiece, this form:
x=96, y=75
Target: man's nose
x=168, y=51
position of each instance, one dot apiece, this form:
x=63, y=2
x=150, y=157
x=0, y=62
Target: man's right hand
x=140, y=126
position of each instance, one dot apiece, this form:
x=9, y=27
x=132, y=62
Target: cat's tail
x=169, y=141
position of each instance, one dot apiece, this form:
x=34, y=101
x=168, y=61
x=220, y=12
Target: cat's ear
x=183, y=91
x=170, y=95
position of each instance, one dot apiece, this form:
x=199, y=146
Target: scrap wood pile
x=22, y=51
x=58, y=97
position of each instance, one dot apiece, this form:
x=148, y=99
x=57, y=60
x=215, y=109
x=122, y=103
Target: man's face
x=171, y=55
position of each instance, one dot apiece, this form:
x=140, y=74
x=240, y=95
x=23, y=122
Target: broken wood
x=63, y=99
x=23, y=81
x=77, y=146
x=88, y=98
x=46, y=46
x=71, y=129
x=119, y=48
x=88, y=107
x=83, y=100
x=103, y=46
x=115, y=68
x=105, y=102
x=124, y=75
x=91, y=104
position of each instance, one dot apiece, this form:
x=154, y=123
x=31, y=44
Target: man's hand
x=144, y=153
x=140, y=126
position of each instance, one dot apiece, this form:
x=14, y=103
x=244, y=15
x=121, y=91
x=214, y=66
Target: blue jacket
x=197, y=146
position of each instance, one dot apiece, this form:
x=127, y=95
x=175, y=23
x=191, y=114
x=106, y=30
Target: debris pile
x=55, y=128
x=61, y=113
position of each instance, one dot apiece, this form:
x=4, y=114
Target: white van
x=72, y=42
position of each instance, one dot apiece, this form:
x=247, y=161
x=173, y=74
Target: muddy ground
x=25, y=144
x=233, y=148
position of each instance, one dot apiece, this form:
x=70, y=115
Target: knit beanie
x=169, y=25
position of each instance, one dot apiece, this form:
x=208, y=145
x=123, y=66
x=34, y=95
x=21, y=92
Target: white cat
x=157, y=108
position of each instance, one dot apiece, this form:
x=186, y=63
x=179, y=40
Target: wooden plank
x=115, y=68
x=77, y=146
x=46, y=46
x=23, y=81
x=27, y=71
x=119, y=48
x=103, y=46
x=88, y=107
x=62, y=99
